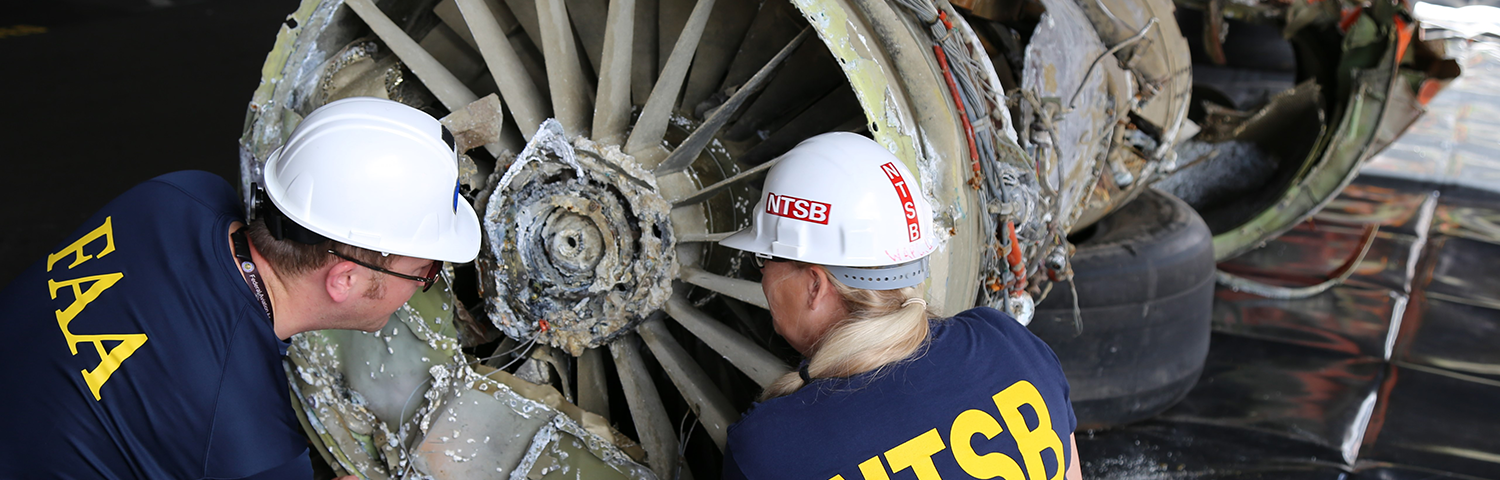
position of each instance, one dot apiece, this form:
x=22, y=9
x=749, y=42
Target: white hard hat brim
x=460, y=247
x=464, y=246
x=745, y=240
x=375, y=174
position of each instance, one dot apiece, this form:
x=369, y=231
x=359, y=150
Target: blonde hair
x=882, y=328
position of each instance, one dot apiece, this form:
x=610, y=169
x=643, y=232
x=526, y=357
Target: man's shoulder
x=205, y=188
x=254, y=427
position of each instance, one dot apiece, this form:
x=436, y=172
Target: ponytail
x=883, y=327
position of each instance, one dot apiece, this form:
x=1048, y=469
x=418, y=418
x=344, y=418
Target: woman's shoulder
x=985, y=314
x=983, y=335
x=980, y=321
x=778, y=411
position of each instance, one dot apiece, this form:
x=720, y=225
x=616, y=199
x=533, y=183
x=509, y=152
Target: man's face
x=387, y=293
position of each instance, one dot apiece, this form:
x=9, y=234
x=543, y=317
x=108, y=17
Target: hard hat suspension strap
x=280, y=227
x=891, y=277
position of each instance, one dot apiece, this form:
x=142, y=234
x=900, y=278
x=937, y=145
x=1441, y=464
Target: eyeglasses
x=427, y=279
x=762, y=259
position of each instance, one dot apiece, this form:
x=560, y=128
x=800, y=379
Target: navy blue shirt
x=136, y=350
x=985, y=399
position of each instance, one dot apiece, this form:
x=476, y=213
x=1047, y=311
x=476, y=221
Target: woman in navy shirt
x=887, y=391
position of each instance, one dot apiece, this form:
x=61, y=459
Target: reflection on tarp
x=1454, y=144
x=1394, y=374
x=1348, y=320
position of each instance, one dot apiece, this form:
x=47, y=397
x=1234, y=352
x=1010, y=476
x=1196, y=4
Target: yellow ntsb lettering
x=109, y=359
x=989, y=465
x=917, y=453
x=1031, y=441
x=76, y=249
x=872, y=469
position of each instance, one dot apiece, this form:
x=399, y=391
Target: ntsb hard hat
x=375, y=174
x=843, y=201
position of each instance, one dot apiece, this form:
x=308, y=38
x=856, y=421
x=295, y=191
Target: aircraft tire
x=1145, y=280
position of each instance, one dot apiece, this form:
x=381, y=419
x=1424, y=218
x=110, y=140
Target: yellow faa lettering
x=110, y=359
x=81, y=297
x=105, y=231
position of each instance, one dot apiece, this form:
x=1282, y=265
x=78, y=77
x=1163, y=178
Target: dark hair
x=291, y=258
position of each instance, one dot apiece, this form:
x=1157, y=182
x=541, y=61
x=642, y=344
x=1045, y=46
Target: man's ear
x=341, y=281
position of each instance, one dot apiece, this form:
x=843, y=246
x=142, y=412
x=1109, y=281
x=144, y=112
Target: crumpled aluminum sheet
x=578, y=244
x=1057, y=60
x=391, y=404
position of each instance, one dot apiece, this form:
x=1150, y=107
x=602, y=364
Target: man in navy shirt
x=151, y=339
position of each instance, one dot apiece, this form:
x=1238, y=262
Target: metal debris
x=405, y=402
x=578, y=244
x=476, y=124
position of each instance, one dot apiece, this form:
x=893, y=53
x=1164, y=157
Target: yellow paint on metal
x=892, y=127
x=286, y=38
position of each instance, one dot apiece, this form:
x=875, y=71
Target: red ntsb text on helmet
x=908, y=206
x=797, y=208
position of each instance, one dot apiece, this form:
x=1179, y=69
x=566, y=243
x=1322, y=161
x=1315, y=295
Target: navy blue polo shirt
x=986, y=399
x=136, y=350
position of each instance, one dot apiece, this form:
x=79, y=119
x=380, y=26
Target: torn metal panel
x=404, y=402
x=1153, y=51
x=359, y=383
x=483, y=433
x=492, y=424
x=1075, y=107
x=1161, y=63
x=291, y=62
x=1338, y=157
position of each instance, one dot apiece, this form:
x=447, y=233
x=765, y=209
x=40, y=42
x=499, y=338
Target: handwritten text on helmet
x=797, y=208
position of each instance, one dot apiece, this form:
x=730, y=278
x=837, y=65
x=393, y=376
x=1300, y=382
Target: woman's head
x=842, y=330
x=847, y=230
x=803, y=300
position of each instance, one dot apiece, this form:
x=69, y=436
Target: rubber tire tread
x=1145, y=285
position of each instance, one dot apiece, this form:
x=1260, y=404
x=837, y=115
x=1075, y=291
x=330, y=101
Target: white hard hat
x=375, y=174
x=842, y=201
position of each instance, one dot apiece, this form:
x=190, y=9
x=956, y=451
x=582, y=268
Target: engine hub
x=579, y=243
